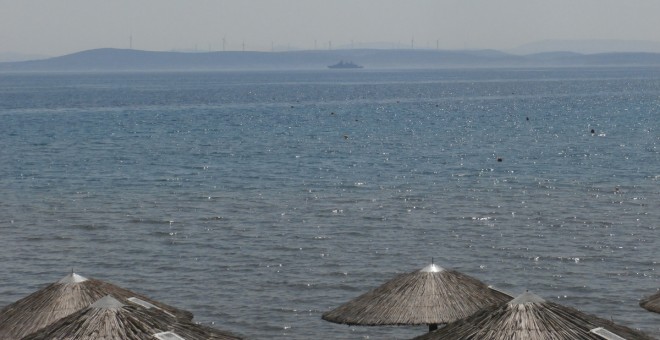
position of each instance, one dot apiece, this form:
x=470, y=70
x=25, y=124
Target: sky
x=58, y=27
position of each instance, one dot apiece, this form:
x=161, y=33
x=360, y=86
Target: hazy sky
x=56, y=27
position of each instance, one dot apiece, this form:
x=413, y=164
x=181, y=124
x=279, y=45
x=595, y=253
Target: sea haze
x=260, y=200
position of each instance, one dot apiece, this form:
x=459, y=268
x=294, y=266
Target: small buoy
x=593, y=131
x=499, y=159
x=332, y=113
x=527, y=118
x=345, y=136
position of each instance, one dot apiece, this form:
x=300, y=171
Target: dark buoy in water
x=332, y=113
x=593, y=131
x=499, y=159
x=345, y=136
x=526, y=118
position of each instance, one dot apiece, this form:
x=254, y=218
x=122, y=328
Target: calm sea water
x=260, y=200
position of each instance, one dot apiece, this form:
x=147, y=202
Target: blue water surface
x=260, y=200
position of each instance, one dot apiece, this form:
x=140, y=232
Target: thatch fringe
x=530, y=319
x=109, y=319
x=60, y=299
x=651, y=303
x=421, y=297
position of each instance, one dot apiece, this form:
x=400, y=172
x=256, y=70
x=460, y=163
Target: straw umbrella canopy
x=651, y=303
x=108, y=318
x=429, y=296
x=529, y=317
x=59, y=299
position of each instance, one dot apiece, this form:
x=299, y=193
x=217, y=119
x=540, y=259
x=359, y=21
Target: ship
x=343, y=64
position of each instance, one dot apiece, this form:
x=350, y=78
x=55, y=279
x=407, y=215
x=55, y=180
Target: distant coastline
x=108, y=60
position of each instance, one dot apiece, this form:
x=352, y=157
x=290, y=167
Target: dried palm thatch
x=110, y=319
x=59, y=299
x=529, y=317
x=431, y=296
x=651, y=303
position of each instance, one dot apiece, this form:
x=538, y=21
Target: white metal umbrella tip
x=431, y=268
x=107, y=302
x=526, y=298
x=72, y=278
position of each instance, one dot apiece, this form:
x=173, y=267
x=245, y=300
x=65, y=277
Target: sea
x=258, y=200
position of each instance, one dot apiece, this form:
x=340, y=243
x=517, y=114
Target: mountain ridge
x=587, y=46
x=110, y=59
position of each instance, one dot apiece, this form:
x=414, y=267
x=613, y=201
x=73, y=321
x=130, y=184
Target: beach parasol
x=530, y=317
x=651, y=303
x=108, y=318
x=429, y=296
x=64, y=297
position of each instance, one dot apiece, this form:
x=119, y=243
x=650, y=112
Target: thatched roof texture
x=651, y=303
x=432, y=295
x=529, y=317
x=108, y=318
x=59, y=299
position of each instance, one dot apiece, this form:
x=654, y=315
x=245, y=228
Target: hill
x=107, y=60
x=588, y=46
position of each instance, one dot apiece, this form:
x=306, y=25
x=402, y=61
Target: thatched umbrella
x=530, y=317
x=651, y=303
x=110, y=319
x=429, y=296
x=59, y=299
